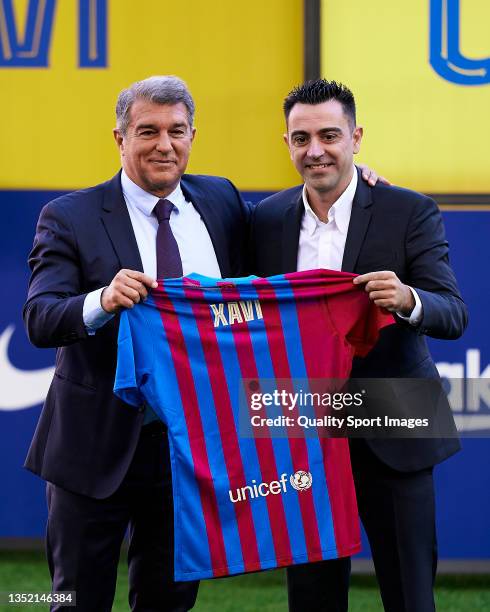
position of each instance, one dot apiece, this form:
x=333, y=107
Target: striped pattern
x=186, y=351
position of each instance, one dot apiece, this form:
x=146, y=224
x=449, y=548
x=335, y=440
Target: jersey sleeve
x=134, y=357
x=358, y=319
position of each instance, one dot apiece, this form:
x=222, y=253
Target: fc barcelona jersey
x=248, y=503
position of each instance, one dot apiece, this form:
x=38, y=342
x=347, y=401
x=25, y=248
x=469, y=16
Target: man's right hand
x=127, y=288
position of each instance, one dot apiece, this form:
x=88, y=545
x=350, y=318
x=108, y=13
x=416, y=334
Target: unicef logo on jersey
x=301, y=480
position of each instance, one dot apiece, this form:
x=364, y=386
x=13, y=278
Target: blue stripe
x=189, y=525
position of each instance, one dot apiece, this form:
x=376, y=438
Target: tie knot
x=163, y=209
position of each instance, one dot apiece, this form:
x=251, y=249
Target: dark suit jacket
x=390, y=229
x=86, y=436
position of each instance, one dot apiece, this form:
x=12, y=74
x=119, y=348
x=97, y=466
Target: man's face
x=156, y=147
x=322, y=143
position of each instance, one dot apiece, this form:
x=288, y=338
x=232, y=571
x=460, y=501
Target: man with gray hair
x=95, y=252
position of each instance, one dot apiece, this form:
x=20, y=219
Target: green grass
x=28, y=572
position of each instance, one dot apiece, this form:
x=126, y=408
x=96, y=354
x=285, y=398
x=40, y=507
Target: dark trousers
x=84, y=537
x=397, y=511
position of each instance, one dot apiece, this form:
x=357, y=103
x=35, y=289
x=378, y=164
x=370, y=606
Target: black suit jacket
x=390, y=229
x=86, y=437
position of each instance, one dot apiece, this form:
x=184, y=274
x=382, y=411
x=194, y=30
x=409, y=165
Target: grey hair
x=157, y=89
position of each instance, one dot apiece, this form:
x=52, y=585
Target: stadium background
x=421, y=75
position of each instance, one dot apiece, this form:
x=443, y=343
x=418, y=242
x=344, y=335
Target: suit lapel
x=209, y=211
x=116, y=220
x=290, y=233
x=358, y=225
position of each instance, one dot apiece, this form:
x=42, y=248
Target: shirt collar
x=145, y=201
x=339, y=212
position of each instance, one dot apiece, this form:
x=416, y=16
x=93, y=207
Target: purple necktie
x=169, y=263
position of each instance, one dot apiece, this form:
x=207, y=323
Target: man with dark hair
x=316, y=92
x=95, y=252
x=394, y=239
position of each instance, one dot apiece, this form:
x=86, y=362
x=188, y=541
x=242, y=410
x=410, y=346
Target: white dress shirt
x=195, y=246
x=322, y=245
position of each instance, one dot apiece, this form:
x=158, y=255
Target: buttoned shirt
x=322, y=244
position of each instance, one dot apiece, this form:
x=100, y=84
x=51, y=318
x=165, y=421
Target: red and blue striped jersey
x=247, y=503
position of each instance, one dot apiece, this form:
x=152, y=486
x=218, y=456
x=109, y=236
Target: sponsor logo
x=20, y=388
x=28, y=45
x=300, y=481
x=468, y=387
x=446, y=57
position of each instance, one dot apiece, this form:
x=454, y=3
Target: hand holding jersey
x=387, y=291
x=127, y=288
x=186, y=351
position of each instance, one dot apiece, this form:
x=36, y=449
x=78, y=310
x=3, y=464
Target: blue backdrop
x=463, y=482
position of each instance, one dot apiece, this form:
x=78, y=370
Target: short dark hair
x=321, y=90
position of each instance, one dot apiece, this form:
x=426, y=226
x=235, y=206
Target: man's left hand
x=387, y=291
